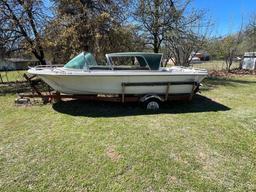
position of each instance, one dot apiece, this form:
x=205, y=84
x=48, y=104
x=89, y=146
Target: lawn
x=206, y=145
x=215, y=65
x=12, y=76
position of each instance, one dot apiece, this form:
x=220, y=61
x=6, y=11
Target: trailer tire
x=152, y=104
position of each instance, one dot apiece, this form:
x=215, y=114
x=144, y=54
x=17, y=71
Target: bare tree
x=175, y=25
x=156, y=17
x=187, y=35
x=229, y=46
x=232, y=50
x=180, y=46
x=22, y=22
x=251, y=33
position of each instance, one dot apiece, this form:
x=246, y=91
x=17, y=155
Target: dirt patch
x=113, y=154
x=172, y=179
x=231, y=73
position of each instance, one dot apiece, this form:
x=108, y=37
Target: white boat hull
x=110, y=82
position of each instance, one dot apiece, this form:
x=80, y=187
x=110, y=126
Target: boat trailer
x=150, y=101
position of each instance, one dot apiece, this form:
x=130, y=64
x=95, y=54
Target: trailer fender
x=149, y=97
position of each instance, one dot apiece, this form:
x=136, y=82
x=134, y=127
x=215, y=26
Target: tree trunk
x=229, y=63
x=42, y=60
x=39, y=57
x=156, y=47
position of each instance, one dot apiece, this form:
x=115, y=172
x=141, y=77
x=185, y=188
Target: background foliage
x=58, y=33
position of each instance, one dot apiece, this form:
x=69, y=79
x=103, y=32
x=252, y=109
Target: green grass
x=206, y=145
x=12, y=76
x=215, y=65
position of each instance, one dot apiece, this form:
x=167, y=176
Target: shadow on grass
x=108, y=109
x=213, y=82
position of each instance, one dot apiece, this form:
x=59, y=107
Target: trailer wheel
x=152, y=104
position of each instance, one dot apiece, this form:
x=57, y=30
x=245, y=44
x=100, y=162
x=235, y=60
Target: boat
x=129, y=73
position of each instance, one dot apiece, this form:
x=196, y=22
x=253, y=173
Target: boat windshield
x=81, y=61
x=138, y=60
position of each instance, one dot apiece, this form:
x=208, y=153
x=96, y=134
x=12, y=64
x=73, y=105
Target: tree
x=187, y=35
x=250, y=33
x=229, y=46
x=174, y=26
x=226, y=48
x=155, y=18
x=22, y=22
x=99, y=25
x=3, y=48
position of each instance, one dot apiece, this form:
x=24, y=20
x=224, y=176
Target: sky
x=228, y=15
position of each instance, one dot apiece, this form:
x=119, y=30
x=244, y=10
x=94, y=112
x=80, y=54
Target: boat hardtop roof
x=127, y=54
x=145, y=59
x=152, y=60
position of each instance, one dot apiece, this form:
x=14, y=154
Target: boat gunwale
x=89, y=73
